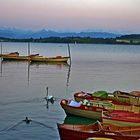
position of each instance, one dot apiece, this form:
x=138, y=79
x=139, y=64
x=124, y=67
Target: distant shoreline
x=125, y=40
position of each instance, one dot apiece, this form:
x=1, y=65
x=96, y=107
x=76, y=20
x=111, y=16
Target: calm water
x=23, y=86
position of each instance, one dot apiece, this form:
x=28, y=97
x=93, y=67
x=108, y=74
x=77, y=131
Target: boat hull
x=82, y=113
x=120, y=123
x=55, y=59
x=17, y=58
x=121, y=118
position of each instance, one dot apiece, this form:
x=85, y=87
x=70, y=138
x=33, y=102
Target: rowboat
x=74, y=108
x=98, y=95
x=83, y=132
x=117, y=96
x=14, y=56
x=131, y=97
x=49, y=59
x=10, y=54
x=121, y=118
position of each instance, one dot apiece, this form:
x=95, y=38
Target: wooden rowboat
x=99, y=95
x=73, y=108
x=14, y=56
x=10, y=54
x=49, y=59
x=131, y=97
x=121, y=118
x=82, y=132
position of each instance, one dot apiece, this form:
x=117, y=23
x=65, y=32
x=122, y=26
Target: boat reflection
x=1, y=67
x=68, y=76
x=70, y=119
x=12, y=62
x=58, y=65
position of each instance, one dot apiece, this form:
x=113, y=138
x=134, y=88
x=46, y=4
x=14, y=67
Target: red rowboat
x=74, y=108
x=82, y=132
x=121, y=118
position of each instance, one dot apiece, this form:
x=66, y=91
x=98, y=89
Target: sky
x=71, y=15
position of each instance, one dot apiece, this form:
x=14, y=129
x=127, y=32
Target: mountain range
x=18, y=33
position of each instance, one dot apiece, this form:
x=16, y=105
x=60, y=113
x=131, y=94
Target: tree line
x=87, y=40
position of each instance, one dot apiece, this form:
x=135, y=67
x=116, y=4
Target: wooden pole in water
x=28, y=51
x=28, y=48
x=1, y=58
x=69, y=53
x=1, y=48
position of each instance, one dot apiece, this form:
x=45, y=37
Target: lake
x=23, y=85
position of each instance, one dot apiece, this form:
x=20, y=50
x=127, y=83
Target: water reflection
x=29, y=65
x=69, y=70
x=28, y=70
x=57, y=64
x=68, y=76
x=70, y=119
